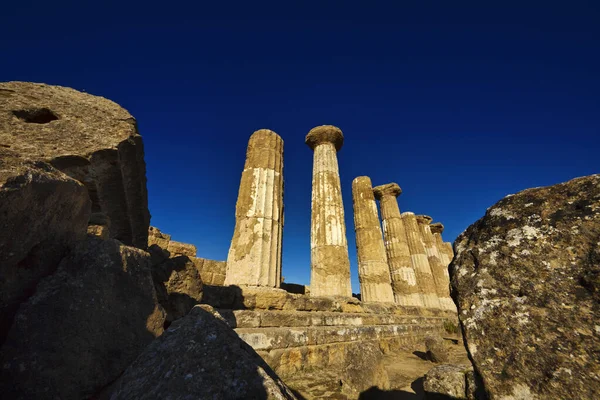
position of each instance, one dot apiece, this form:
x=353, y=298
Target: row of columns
x=405, y=263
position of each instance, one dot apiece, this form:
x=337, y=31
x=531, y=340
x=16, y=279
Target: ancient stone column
x=404, y=279
x=373, y=270
x=420, y=261
x=444, y=248
x=439, y=265
x=330, y=265
x=255, y=254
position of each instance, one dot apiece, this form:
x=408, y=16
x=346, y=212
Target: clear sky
x=460, y=103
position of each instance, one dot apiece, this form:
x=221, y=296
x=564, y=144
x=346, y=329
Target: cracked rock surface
x=526, y=279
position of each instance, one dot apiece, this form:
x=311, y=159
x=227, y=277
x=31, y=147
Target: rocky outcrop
x=43, y=213
x=436, y=349
x=448, y=381
x=200, y=357
x=89, y=138
x=526, y=279
x=178, y=286
x=83, y=326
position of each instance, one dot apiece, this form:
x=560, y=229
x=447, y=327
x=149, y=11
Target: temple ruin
x=254, y=257
x=330, y=264
x=373, y=269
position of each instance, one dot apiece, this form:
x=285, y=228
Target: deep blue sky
x=461, y=103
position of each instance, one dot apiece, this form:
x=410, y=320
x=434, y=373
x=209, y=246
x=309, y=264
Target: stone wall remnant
x=255, y=254
x=403, y=276
x=373, y=269
x=330, y=264
x=420, y=261
x=438, y=268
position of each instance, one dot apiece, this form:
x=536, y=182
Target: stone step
x=286, y=337
x=276, y=318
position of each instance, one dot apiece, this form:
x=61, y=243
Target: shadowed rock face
x=91, y=139
x=526, y=279
x=200, y=357
x=83, y=326
x=43, y=213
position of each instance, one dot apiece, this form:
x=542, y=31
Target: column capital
x=390, y=189
x=424, y=219
x=437, y=227
x=325, y=134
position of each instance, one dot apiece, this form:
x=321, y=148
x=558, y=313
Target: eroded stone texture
x=200, y=357
x=330, y=265
x=444, y=248
x=211, y=272
x=439, y=269
x=255, y=254
x=89, y=138
x=373, y=270
x=83, y=326
x=420, y=261
x=404, y=280
x=43, y=212
x=526, y=280
x=448, y=381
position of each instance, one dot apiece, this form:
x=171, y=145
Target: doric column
x=330, y=265
x=445, y=249
x=373, y=270
x=438, y=264
x=404, y=279
x=255, y=254
x=420, y=261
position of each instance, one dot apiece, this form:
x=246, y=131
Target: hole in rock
x=36, y=115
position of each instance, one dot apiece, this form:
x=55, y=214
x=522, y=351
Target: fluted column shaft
x=420, y=261
x=437, y=263
x=254, y=257
x=402, y=273
x=330, y=265
x=373, y=270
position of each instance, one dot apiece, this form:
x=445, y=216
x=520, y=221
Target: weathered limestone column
x=438, y=268
x=255, y=254
x=373, y=270
x=420, y=261
x=404, y=279
x=445, y=257
x=330, y=265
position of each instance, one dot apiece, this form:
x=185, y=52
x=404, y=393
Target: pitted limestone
x=373, y=270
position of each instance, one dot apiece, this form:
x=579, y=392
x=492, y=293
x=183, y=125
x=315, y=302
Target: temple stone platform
x=296, y=333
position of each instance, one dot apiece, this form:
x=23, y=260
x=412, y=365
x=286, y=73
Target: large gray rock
x=91, y=139
x=446, y=381
x=526, y=279
x=83, y=326
x=43, y=213
x=199, y=357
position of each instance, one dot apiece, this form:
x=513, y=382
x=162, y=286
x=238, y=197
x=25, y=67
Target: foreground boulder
x=178, y=286
x=43, y=213
x=83, y=326
x=526, y=279
x=199, y=357
x=449, y=381
x=91, y=139
x=436, y=349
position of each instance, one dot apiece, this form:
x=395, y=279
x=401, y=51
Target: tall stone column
x=438, y=264
x=330, y=265
x=420, y=261
x=373, y=270
x=404, y=279
x=254, y=257
x=444, y=248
